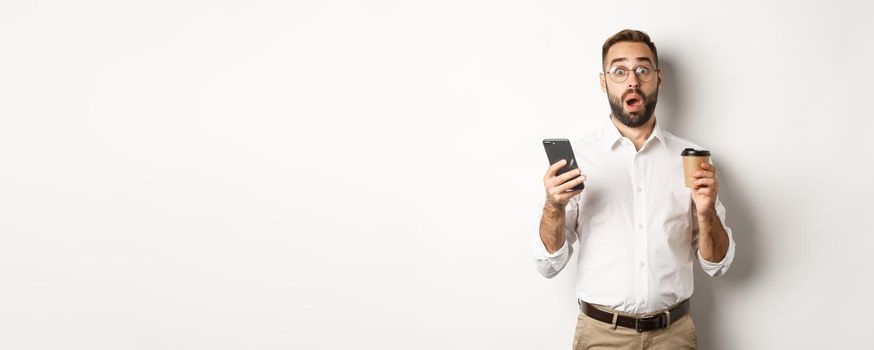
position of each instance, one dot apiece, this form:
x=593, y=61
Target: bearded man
x=636, y=227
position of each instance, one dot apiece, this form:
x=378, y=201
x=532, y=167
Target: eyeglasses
x=619, y=74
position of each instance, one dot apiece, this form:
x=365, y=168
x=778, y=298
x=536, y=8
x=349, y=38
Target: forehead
x=630, y=52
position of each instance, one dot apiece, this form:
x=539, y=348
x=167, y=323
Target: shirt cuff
x=707, y=264
x=558, y=252
x=715, y=269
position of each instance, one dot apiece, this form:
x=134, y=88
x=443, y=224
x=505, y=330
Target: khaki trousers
x=594, y=334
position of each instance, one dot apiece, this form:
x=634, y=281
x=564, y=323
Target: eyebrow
x=647, y=59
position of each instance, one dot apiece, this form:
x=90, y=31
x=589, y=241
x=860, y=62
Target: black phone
x=558, y=149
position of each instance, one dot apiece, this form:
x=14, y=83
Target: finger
x=705, y=191
x=566, y=186
x=560, y=179
x=708, y=166
x=569, y=175
x=705, y=181
x=570, y=184
x=553, y=181
x=703, y=173
x=554, y=167
x=569, y=195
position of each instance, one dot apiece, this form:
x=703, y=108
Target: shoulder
x=676, y=143
x=590, y=139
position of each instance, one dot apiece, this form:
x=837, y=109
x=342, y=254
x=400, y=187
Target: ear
x=660, y=77
x=603, y=82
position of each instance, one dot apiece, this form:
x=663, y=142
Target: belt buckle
x=638, y=324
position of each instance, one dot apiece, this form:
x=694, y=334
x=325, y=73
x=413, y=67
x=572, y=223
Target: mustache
x=643, y=96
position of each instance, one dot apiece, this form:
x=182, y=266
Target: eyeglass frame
x=655, y=70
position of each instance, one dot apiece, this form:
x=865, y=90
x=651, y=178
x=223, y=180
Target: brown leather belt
x=642, y=324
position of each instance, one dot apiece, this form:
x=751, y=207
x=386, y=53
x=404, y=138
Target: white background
x=366, y=174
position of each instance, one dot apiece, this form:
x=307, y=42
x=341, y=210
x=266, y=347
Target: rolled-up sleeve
x=715, y=269
x=550, y=264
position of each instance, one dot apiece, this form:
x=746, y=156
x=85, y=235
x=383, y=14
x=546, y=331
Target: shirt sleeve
x=714, y=269
x=550, y=264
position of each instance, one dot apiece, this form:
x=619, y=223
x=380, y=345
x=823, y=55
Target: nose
x=632, y=81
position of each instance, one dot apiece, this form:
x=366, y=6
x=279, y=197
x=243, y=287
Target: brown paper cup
x=692, y=164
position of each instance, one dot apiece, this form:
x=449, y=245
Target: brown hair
x=632, y=36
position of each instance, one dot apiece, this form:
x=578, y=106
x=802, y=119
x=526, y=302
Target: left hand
x=704, y=190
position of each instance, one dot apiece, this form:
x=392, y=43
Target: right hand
x=556, y=187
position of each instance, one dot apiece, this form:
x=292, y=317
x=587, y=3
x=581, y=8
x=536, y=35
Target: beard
x=637, y=118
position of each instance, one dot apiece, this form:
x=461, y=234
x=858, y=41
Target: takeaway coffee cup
x=692, y=160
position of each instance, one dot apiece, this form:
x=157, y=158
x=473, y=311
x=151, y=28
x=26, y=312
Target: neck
x=637, y=135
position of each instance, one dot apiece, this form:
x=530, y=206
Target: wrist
x=707, y=214
x=707, y=218
x=552, y=208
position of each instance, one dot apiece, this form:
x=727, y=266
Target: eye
x=619, y=72
x=642, y=70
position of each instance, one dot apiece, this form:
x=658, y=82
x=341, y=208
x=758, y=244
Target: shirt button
x=639, y=189
x=642, y=265
x=640, y=226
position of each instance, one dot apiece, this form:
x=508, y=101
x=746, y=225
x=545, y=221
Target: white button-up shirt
x=634, y=226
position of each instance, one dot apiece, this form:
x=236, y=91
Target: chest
x=653, y=181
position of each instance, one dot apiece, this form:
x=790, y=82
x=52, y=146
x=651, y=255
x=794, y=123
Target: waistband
x=642, y=322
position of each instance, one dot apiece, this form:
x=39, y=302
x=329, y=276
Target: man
x=636, y=225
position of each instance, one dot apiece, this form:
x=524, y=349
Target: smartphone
x=558, y=149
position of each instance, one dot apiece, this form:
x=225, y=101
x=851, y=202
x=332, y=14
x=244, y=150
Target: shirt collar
x=612, y=135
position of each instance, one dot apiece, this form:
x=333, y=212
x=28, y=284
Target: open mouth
x=633, y=101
